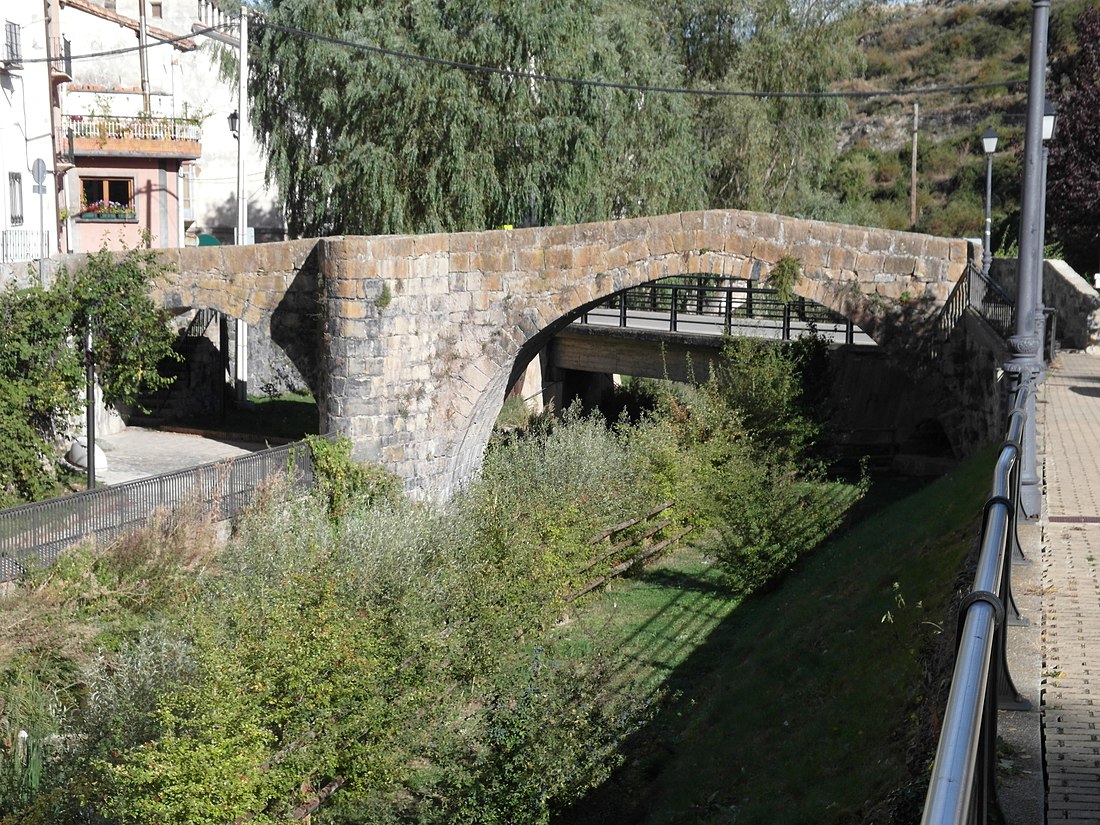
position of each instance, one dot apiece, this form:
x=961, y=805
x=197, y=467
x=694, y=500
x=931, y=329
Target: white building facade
x=144, y=123
x=28, y=212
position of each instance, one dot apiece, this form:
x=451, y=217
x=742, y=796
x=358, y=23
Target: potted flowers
x=107, y=211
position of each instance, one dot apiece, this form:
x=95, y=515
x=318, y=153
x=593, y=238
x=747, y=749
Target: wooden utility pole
x=913, y=172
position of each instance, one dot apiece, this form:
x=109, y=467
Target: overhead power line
x=632, y=87
x=546, y=78
x=128, y=49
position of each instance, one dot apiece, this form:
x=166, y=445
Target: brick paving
x=1070, y=683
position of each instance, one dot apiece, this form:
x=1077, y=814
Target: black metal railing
x=61, y=57
x=974, y=290
x=38, y=532
x=718, y=306
x=961, y=787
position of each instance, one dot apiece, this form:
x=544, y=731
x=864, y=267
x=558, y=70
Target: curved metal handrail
x=961, y=786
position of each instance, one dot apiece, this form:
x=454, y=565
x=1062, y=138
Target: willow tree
x=361, y=141
x=766, y=151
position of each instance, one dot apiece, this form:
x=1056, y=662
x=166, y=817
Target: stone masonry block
x=739, y=245
x=392, y=247
x=870, y=262
x=842, y=258
x=795, y=232
x=588, y=257
x=431, y=244
x=767, y=226
x=531, y=259
x=352, y=309
x=709, y=240
x=588, y=234
x=768, y=251
x=814, y=258
x=879, y=240
x=854, y=237
x=909, y=243
x=823, y=232
x=898, y=265
x=958, y=253
x=559, y=236
x=691, y=221
x=558, y=257
x=716, y=220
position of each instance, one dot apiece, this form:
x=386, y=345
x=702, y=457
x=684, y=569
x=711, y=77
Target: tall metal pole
x=913, y=170
x=1040, y=308
x=89, y=411
x=987, y=249
x=1026, y=365
x=242, y=97
x=241, y=353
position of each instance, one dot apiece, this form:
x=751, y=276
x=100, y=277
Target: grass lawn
x=797, y=705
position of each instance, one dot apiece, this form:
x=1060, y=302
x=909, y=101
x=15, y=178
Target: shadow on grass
x=798, y=705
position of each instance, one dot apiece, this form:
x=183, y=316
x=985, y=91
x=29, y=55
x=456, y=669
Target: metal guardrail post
x=622, y=309
x=728, y=324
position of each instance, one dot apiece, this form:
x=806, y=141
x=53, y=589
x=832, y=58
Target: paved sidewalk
x=137, y=453
x=1070, y=429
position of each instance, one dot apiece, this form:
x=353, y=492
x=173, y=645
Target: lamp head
x=1050, y=120
x=234, y=122
x=989, y=141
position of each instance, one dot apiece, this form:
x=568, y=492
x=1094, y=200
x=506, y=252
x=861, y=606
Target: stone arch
x=410, y=340
x=273, y=288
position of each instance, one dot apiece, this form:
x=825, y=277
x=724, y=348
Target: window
x=13, y=52
x=115, y=195
x=187, y=190
x=156, y=10
x=15, y=197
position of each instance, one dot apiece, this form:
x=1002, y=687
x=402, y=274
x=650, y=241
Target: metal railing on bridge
x=974, y=290
x=715, y=305
x=36, y=533
x=961, y=787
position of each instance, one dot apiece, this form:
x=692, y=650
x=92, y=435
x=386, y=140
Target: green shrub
x=342, y=482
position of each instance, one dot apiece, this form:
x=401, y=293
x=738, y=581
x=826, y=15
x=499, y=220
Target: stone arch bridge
x=410, y=342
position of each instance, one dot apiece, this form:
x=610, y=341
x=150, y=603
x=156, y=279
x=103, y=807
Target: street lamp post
x=1026, y=364
x=241, y=133
x=989, y=144
x=1050, y=121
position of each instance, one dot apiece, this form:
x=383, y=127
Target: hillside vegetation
x=937, y=45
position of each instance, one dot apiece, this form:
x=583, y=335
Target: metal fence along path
x=36, y=533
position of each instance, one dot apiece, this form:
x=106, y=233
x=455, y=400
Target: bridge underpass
x=674, y=329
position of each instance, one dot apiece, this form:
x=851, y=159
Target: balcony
x=61, y=60
x=139, y=136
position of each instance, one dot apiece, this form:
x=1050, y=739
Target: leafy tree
x=41, y=368
x=362, y=142
x=1073, y=177
x=765, y=153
